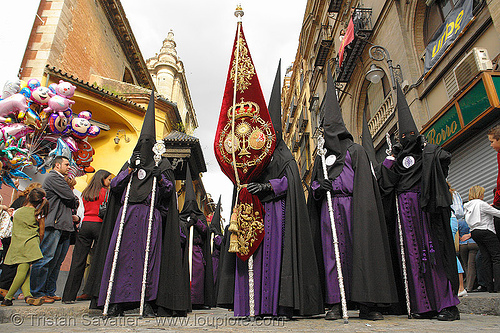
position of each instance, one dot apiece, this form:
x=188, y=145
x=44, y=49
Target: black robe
x=299, y=281
x=173, y=288
x=372, y=274
x=435, y=200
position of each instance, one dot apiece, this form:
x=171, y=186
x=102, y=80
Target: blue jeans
x=40, y=269
x=55, y=265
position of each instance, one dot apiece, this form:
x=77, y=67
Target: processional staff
x=401, y=241
x=322, y=153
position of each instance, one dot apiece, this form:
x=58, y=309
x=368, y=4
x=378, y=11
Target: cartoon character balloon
x=58, y=124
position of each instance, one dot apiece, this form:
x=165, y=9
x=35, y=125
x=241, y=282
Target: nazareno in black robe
x=372, y=273
x=299, y=282
x=435, y=200
x=173, y=288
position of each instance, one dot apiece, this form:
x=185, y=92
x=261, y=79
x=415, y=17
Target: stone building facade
x=453, y=103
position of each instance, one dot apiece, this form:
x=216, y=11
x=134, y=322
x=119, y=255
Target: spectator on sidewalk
x=479, y=217
x=58, y=226
x=9, y=271
x=27, y=230
x=93, y=196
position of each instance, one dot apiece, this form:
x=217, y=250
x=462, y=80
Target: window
x=376, y=94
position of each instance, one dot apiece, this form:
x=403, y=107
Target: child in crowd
x=479, y=216
x=27, y=232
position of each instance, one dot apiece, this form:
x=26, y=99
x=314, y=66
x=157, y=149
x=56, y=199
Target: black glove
x=213, y=229
x=136, y=156
x=255, y=188
x=156, y=172
x=325, y=184
x=191, y=220
x=396, y=149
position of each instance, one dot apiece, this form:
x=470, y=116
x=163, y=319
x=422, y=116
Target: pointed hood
x=275, y=105
x=216, y=222
x=190, y=204
x=406, y=123
x=142, y=156
x=367, y=141
x=337, y=137
x=333, y=123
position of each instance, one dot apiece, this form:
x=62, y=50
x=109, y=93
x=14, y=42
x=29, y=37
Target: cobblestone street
x=77, y=318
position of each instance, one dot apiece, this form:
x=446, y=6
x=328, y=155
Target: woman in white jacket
x=479, y=216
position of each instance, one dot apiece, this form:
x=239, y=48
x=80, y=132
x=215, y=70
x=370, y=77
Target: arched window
x=376, y=93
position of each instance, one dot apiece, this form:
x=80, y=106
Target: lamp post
x=380, y=53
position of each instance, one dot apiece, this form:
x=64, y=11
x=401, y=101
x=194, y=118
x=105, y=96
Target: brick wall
x=76, y=37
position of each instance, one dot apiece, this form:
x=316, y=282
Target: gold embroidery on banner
x=247, y=224
x=251, y=133
x=246, y=70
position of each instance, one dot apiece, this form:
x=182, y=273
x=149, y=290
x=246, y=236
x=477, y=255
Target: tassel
x=233, y=223
x=233, y=244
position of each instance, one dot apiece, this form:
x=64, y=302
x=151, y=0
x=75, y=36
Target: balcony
x=295, y=142
x=303, y=120
x=293, y=107
x=323, y=45
x=362, y=21
x=385, y=111
x=288, y=126
x=334, y=6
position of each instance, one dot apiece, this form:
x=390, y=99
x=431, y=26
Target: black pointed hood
x=216, y=219
x=274, y=106
x=337, y=137
x=190, y=204
x=142, y=157
x=406, y=123
x=367, y=141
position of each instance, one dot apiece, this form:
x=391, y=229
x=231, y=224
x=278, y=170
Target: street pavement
x=77, y=317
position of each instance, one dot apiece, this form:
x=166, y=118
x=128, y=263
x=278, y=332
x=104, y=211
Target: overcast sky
x=204, y=32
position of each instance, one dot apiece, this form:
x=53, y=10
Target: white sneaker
x=462, y=293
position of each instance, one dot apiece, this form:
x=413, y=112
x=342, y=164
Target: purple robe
x=343, y=187
x=198, y=275
x=130, y=264
x=430, y=289
x=267, y=261
x=216, y=255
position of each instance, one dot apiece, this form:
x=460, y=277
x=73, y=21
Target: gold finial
x=239, y=12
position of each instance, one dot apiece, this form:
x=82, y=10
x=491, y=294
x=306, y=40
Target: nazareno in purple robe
x=343, y=187
x=130, y=265
x=216, y=255
x=267, y=261
x=430, y=289
x=198, y=277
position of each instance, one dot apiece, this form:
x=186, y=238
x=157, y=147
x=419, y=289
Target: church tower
x=168, y=74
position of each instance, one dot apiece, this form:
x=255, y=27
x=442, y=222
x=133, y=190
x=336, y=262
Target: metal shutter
x=474, y=163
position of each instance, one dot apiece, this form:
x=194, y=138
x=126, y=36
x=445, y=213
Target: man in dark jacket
x=58, y=226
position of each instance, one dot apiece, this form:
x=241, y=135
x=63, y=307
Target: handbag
x=103, y=206
x=5, y=225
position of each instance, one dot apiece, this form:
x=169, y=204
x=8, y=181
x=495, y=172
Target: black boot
x=148, y=311
x=115, y=310
x=334, y=312
x=449, y=314
x=370, y=313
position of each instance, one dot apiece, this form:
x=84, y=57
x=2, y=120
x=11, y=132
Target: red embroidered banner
x=244, y=143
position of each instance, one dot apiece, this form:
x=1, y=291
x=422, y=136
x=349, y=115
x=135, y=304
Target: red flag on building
x=348, y=38
x=244, y=144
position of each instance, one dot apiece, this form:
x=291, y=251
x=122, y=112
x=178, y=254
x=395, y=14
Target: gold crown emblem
x=243, y=109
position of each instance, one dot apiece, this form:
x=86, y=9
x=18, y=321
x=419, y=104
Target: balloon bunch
x=37, y=124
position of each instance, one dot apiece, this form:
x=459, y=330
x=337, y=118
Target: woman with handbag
x=94, y=200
